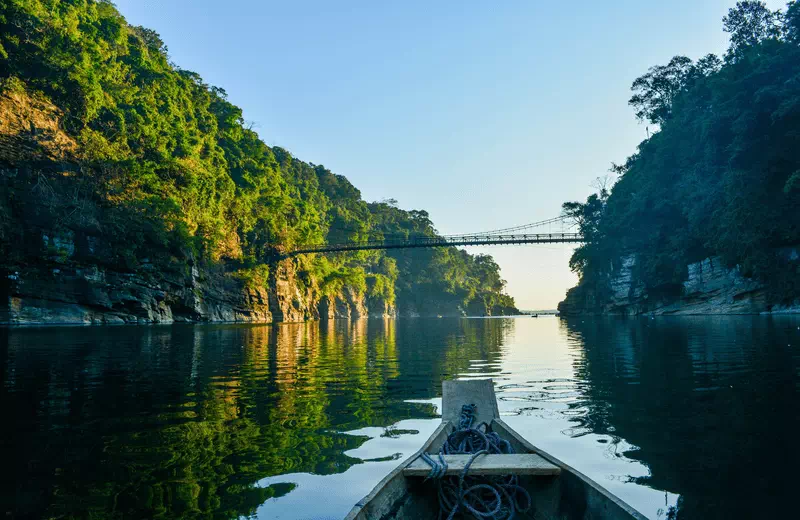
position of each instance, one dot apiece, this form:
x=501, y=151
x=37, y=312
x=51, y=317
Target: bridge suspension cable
x=509, y=235
x=515, y=229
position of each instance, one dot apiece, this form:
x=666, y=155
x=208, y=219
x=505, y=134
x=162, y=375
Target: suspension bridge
x=541, y=232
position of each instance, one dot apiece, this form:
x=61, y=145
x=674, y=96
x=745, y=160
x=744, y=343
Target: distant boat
x=555, y=489
x=534, y=315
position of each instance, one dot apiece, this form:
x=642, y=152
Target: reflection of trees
x=183, y=421
x=708, y=401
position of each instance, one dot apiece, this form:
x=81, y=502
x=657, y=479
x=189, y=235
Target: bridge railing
x=461, y=240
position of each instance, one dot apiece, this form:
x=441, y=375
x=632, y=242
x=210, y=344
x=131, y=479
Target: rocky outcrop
x=95, y=296
x=380, y=308
x=351, y=305
x=710, y=288
x=63, y=288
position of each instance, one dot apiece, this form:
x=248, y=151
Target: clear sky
x=485, y=114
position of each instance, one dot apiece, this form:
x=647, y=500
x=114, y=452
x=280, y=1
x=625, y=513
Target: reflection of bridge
x=514, y=235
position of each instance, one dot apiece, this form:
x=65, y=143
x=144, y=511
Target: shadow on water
x=168, y=422
x=711, y=403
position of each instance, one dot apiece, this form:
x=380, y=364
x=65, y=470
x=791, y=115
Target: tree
x=588, y=217
x=749, y=23
x=655, y=91
x=720, y=178
x=791, y=22
x=706, y=66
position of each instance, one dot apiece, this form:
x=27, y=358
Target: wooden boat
x=557, y=490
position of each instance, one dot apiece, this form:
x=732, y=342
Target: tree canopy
x=175, y=172
x=721, y=175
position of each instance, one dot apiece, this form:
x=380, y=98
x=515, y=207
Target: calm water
x=300, y=421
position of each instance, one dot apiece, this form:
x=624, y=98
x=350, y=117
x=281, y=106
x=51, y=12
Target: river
x=299, y=421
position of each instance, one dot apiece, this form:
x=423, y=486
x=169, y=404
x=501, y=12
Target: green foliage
x=749, y=24
x=656, y=90
x=720, y=177
x=382, y=287
x=255, y=277
x=434, y=281
x=175, y=168
x=792, y=22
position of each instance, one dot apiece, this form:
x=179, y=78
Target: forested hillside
x=718, y=178
x=115, y=158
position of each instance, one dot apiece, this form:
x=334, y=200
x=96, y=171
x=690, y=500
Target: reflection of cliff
x=708, y=401
x=182, y=421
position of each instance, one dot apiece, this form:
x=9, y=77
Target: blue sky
x=485, y=114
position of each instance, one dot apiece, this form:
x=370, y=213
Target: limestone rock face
x=624, y=287
x=287, y=301
x=91, y=295
x=710, y=288
x=348, y=305
x=63, y=288
x=380, y=308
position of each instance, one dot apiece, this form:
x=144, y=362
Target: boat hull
x=570, y=495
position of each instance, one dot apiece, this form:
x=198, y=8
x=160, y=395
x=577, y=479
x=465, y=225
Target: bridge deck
x=463, y=240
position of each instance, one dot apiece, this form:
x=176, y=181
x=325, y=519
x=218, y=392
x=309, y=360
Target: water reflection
x=184, y=421
x=711, y=403
x=230, y=421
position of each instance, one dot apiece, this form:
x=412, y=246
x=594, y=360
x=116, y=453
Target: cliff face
x=59, y=270
x=710, y=288
x=66, y=279
x=72, y=253
x=63, y=288
x=58, y=266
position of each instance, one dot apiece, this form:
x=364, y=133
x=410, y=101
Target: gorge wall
x=704, y=212
x=74, y=293
x=710, y=288
x=143, y=197
x=56, y=270
x=84, y=294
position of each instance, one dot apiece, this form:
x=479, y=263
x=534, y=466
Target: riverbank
x=709, y=288
x=71, y=293
x=96, y=295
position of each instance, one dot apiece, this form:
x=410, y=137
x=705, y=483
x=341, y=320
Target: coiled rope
x=492, y=497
